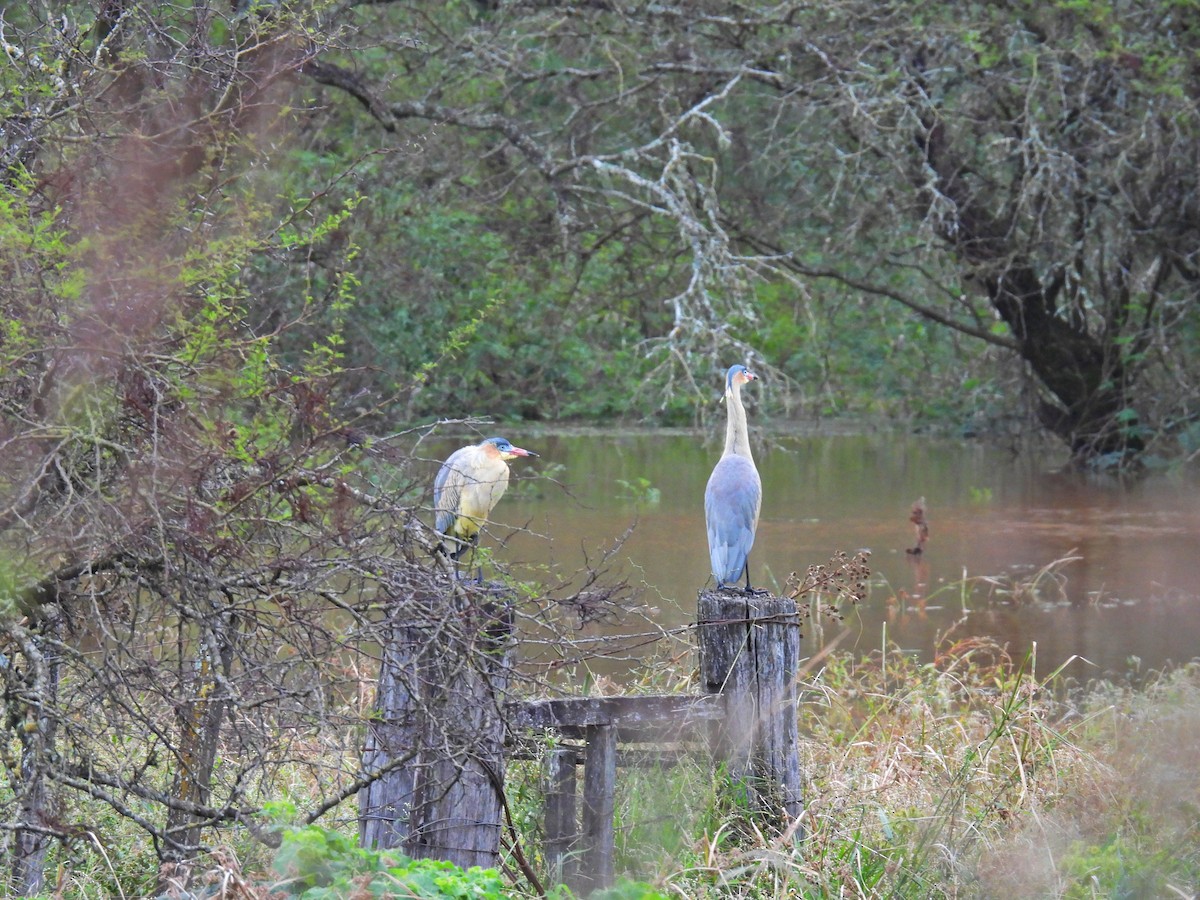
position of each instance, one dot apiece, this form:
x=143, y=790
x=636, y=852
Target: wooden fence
x=442, y=798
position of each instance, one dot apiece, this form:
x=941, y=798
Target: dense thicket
x=199, y=545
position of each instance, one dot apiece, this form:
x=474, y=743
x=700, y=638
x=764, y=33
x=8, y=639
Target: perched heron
x=733, y=497
x=468, y=486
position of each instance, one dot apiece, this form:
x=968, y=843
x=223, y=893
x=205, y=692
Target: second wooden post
x=749, y=654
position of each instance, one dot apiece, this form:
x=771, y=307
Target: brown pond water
x=1098, y=569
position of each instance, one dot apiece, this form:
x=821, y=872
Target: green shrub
x=320, y=864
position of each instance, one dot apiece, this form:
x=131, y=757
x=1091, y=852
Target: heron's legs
x=747, y=590
x=467, y=549
x=750, y=591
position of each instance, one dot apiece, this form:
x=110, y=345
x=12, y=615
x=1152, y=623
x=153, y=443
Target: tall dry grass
x=971, y=776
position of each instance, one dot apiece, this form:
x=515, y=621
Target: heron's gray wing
x=731, y=505
x=447, y=491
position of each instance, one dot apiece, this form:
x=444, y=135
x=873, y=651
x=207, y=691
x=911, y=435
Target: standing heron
x=468, y=486
x=733, y=498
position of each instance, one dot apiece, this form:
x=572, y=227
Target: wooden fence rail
x=580, y=849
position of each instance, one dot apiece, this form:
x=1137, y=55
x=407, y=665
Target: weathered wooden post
x=749, y=654
x=439, y=737
x=599, y=786
x=562, y=832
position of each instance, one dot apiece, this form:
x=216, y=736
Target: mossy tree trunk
x=200, y=720
x=37, y=676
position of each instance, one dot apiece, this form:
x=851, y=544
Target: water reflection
x=1102, y=570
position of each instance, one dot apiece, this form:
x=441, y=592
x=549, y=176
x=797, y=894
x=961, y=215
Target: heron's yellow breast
x=476, y=503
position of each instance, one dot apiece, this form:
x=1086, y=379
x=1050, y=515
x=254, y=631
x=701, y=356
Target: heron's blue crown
x=734, y=370
x=501, y=444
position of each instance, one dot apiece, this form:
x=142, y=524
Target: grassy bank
x=968, y=777
x=971, y=776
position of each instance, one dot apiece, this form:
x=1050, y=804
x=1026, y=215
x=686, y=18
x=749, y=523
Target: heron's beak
x=517, y=451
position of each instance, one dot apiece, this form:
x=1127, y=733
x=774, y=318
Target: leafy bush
x=320, y=864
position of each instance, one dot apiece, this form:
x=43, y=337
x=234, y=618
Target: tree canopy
x=876, y=205
x=1019, y=174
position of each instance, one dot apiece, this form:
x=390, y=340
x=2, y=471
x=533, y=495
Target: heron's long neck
x=737, y=436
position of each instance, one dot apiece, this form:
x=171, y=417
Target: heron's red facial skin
x=745, y=377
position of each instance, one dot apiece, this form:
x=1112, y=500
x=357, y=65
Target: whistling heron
x=468, y=485
x=733, y=497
